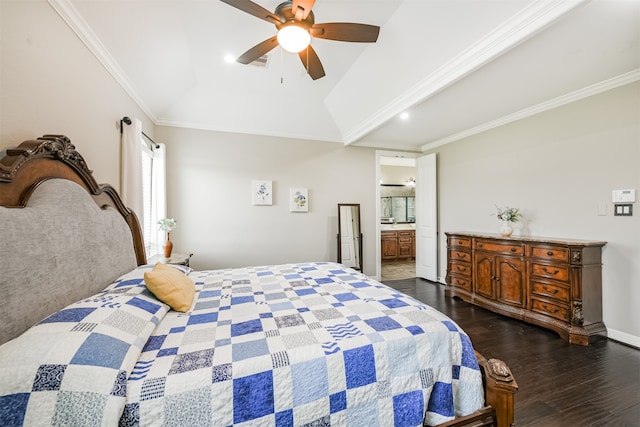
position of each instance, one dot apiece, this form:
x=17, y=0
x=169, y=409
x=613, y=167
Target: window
x=153, y=196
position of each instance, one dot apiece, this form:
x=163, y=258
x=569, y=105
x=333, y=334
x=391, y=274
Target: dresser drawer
x=460, y=282
x=459, y=255
x=558, y=292
x=552, y=253
x=558, y=311
x=503, y=248
x=551, y=271
x=460, y=268
x=406, y=234
x=460, y=242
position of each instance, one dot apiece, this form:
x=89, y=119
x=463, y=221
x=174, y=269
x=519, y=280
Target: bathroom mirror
x=397, y=204
x=349, y=235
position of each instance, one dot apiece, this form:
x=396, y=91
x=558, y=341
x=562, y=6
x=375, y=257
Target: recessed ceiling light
x=229, y=58
x=404, y=116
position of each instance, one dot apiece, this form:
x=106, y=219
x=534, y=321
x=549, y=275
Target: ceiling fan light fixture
x=293, y=38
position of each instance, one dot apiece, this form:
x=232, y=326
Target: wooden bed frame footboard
x=499, y=389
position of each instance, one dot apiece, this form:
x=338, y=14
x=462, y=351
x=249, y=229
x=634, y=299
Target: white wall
x=209, y=190
x=397, y=175
x=50, y=83
x=557, y=167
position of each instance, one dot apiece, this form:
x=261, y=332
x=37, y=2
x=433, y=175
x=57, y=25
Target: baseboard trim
x=624, y=338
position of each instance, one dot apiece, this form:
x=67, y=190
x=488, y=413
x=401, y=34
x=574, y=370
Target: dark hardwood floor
x=559, y=384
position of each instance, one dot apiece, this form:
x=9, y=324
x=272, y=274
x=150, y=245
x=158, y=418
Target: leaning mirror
x=349, y=235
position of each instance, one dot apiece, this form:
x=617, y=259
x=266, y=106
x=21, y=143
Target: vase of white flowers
x=507, y=215
x=167, y=225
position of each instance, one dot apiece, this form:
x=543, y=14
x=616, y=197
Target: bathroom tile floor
x=398, y=270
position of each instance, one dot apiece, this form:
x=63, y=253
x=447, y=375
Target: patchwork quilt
x=311, y=344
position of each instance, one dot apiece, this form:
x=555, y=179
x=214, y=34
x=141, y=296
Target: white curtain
x=131, y=180
x=144, y=183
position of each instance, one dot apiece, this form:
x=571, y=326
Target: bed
x=87, y=339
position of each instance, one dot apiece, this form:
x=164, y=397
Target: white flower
x=167, y=224
x=509, y=214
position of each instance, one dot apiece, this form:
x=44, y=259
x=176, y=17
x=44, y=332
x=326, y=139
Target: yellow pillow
x=171, y=286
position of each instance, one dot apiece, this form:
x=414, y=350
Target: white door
x=426, y=218
x=347, y=238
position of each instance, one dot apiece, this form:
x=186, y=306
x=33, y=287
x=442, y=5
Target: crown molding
x=70, y=15
x=594, y=89
x=529, y=21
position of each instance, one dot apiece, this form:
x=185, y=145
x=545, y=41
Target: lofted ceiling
x=457, y=67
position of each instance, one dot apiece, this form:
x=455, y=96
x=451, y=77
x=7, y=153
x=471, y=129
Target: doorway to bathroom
x=406, y=212
x=397, y=216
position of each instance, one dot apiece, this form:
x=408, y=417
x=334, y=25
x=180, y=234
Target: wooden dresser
x=554, y=283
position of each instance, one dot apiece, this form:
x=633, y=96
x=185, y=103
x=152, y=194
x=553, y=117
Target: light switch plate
x=625, y=209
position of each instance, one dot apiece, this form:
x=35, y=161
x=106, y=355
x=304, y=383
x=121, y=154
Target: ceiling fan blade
x=346, y=32
x=301, y=8
x=258, y=50
x=311, y=63
x=254, y=9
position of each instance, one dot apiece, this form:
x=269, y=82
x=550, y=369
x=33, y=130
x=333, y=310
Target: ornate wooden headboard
x=54, y=156
x=56, y=244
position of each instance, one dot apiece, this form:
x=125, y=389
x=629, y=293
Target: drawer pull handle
x=549, y=253
x=479, y=245
x=551, y=291
x=460, y=242
x=550, y=272
x=513, y=249
x=554, y=310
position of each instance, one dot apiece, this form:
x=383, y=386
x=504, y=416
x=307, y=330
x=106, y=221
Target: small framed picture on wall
x=299, y=200
x=262, y=192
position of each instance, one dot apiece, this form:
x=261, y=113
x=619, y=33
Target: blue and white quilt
x=312, y=344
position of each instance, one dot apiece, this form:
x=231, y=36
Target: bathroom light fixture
x=293, y=38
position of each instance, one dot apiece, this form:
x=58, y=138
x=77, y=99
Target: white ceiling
x=456, y=66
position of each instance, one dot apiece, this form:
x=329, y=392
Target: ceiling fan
x=296, y=25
